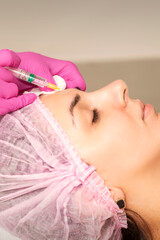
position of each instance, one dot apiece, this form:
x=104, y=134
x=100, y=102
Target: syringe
x=34, y=79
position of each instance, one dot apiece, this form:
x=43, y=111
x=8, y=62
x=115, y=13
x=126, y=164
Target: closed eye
x=95, y=116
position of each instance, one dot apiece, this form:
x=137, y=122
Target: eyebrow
x=74, y=102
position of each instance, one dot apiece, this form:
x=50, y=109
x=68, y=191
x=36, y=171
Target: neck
x=143, y=197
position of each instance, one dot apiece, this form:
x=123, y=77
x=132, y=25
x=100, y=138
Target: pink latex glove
x=46, y=67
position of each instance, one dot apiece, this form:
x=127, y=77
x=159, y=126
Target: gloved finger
x=6, y=75
x=69, y=72
x=72, y=77
x=8, y=90
x=13, y=104
x=9, y=58
x=73, y=81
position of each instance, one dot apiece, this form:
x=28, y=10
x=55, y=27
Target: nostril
x=125, y=95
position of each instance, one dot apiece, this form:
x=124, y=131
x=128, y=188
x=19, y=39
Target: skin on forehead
x=122, y=145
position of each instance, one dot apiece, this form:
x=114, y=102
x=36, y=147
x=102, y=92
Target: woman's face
x=112, y=132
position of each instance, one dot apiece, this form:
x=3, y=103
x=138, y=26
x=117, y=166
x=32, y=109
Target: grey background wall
x=107, y=39
x=141, y=75
x=82, y=30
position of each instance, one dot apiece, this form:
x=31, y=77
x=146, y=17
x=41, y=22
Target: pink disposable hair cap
x=46, y=191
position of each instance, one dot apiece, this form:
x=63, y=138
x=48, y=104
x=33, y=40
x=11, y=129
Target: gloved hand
x=46, y=67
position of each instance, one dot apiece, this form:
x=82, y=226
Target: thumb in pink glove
x=9, y=99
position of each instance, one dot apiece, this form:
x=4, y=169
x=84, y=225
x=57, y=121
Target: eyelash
x=95, y=116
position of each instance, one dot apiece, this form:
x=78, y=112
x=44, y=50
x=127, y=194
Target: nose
x=116, y=93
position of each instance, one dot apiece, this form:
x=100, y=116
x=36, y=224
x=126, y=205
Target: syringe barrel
x=28, y=77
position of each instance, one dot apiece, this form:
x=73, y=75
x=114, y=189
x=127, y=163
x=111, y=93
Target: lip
x=147, y=110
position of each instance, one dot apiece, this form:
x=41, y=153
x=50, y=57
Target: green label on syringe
x=31, y=78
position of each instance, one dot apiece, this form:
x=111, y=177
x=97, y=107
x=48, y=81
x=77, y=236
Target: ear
x=118, y=196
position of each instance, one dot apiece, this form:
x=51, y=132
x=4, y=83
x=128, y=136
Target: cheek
x=120, y=149
x=130, y=152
